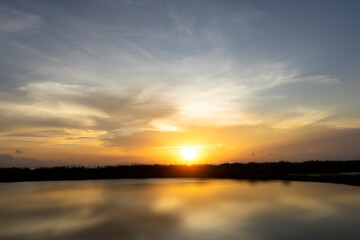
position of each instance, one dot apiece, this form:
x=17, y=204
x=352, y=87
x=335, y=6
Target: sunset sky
x=140, y=81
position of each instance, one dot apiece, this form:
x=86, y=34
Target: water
x=177, y=209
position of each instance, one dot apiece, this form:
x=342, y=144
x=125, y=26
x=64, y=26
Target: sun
x=188, y=153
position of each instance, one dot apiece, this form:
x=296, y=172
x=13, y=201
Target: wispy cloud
x=139, y=74
x=14, y=21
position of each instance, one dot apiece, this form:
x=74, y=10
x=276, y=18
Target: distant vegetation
x=346, y=172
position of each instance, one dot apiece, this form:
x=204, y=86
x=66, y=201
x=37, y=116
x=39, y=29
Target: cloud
x=128, y=77
x=18, y=151
x=14, y=21
x=302, y=116
x=74, y=106
x=6, y=161
x=326, y=143
x=198, y=73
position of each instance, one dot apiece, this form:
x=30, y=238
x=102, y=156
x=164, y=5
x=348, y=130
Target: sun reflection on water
x=177, y=209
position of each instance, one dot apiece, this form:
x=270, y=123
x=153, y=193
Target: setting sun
x=188, y=153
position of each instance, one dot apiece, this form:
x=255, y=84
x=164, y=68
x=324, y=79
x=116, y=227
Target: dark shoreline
x=342, y=172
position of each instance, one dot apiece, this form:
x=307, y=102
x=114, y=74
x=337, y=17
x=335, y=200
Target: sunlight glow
x=188, y=153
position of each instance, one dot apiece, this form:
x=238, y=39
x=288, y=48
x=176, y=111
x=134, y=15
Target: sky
x=132, y=81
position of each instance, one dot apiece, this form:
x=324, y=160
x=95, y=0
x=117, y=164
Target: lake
x=178, y=209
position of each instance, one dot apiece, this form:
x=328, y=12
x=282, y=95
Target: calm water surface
x=175, y=209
